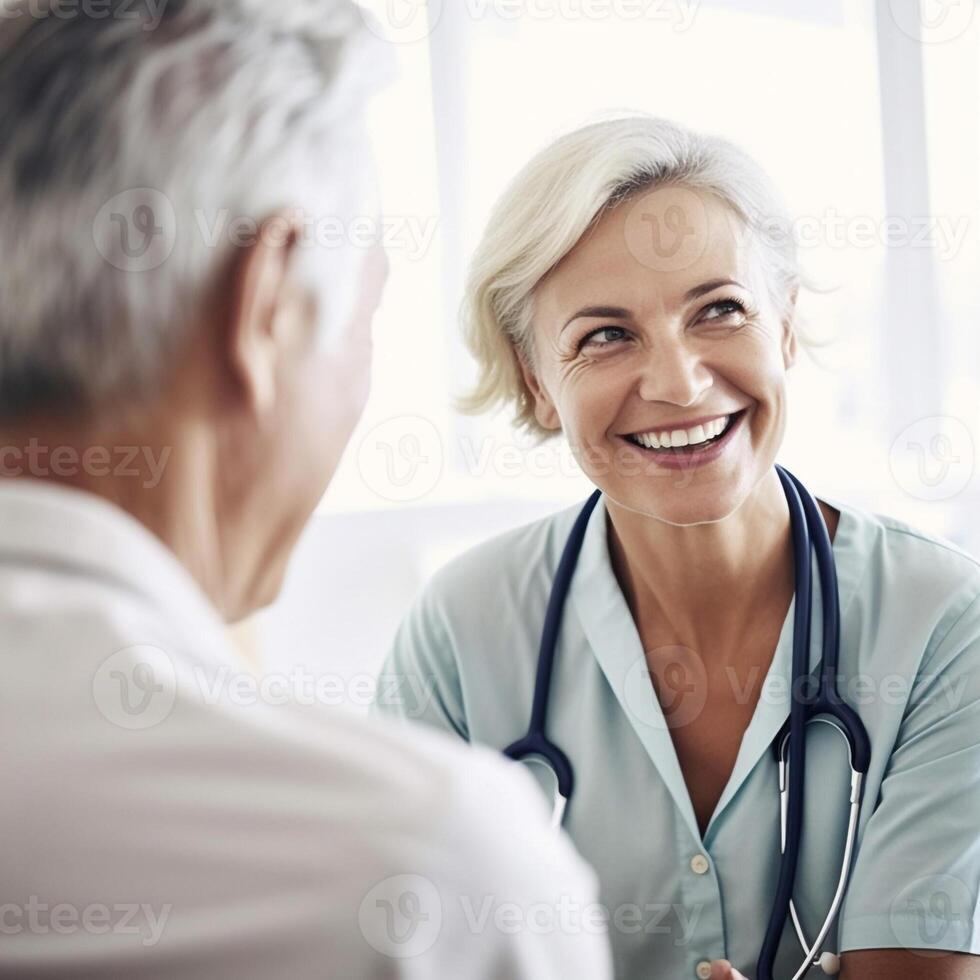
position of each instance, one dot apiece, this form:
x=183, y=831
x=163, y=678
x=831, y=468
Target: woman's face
x=659, y=321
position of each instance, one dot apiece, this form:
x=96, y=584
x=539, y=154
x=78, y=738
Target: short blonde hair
x=556, y=198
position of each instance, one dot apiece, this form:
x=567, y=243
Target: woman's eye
x=603, y=337
x=727, y=308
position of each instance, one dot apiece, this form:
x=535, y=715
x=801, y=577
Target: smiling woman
x=692, y=338
x=635, y=292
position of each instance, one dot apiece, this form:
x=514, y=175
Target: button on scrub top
x=464, y=660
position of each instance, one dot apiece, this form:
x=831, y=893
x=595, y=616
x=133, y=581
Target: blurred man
x=182, y=361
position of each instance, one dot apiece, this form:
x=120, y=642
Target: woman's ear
x=544, y=408
x=789, y=331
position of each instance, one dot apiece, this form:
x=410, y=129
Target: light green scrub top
x=464, y=661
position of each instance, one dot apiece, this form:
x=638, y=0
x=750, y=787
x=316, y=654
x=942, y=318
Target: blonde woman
x=635, y=293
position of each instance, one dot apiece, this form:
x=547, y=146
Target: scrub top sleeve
x=419, y=679
x=916, y=877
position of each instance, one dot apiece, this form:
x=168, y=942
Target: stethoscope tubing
x=535, y=742
x=792, y=805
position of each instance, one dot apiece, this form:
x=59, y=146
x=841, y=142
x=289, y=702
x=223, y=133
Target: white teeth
x=682, y=437
x=648, y=439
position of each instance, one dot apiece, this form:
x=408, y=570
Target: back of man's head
x=140, y=142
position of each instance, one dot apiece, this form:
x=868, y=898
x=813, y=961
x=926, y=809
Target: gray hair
x=557, y=197
x=171, y=116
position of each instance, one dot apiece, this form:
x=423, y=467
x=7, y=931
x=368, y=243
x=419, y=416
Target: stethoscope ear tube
x=828, y=962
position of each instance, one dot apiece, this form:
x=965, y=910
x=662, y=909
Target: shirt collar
x=42, y=522
x=608, y=625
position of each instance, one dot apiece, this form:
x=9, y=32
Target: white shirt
x=154, y=828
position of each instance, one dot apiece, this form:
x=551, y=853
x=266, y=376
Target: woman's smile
x=685, y=448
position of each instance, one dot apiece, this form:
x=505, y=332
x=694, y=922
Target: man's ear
x=261, y=294
x=544, y=408
x=789, y=331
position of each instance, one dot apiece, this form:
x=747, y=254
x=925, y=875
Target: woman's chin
x=679, y=506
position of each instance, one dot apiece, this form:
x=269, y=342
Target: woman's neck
x=708, y=587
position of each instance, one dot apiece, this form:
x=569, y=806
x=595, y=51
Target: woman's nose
x=673, y=371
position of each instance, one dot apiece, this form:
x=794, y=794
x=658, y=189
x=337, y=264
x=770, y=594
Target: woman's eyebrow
x=600, y=311
x=707, y=287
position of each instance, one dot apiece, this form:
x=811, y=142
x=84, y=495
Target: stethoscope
x=808, y=531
